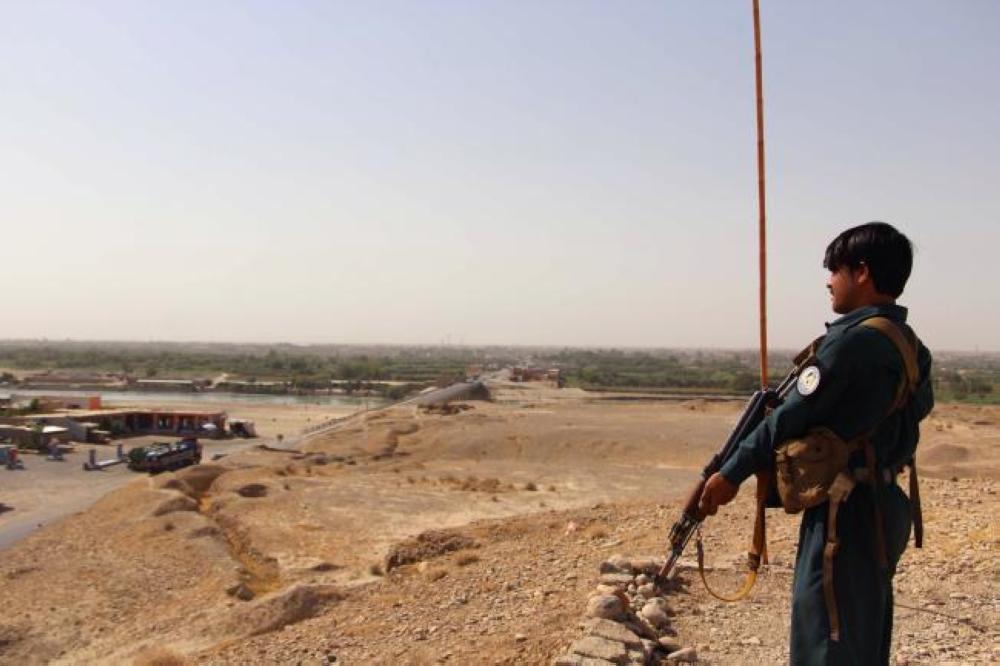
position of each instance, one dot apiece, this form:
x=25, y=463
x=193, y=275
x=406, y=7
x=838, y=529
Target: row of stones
x=628, y=618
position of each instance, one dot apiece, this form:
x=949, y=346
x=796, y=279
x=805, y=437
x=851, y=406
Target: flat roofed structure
x=135, y=421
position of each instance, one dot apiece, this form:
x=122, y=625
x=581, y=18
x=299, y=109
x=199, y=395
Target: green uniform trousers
x=863, y=590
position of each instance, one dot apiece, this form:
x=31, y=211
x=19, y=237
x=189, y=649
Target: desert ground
x=473, y=537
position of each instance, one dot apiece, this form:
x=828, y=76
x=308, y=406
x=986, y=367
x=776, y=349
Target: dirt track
x=291, y=547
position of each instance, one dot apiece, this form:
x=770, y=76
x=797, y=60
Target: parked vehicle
x=165, y=456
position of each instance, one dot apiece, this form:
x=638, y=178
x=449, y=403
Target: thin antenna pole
x=761, y=226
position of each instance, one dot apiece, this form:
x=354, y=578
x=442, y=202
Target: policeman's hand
x=718, y=491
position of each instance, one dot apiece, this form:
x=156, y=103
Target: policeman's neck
x=873, y=299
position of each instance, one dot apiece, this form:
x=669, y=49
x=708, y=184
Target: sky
x=545, y=173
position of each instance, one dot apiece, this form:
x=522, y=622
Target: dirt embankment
x=282, y=557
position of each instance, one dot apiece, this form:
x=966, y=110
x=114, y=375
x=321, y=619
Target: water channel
x=117, y=398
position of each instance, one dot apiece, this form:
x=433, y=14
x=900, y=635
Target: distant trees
x=953, y=384
x=640, y=369
x=280, y=368
x=744, y=381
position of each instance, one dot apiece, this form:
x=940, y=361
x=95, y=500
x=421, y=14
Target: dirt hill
x=465, y=538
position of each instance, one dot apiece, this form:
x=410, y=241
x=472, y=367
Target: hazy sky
x=577, y=173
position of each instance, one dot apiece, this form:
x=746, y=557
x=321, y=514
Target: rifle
x=691, y=518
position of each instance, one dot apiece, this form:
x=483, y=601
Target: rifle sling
x=758, y=546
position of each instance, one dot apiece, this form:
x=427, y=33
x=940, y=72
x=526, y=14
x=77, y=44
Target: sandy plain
x=316, y=555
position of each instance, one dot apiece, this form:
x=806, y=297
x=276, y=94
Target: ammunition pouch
x=805, y=468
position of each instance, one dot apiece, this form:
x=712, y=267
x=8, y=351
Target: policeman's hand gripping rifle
x=760, y=402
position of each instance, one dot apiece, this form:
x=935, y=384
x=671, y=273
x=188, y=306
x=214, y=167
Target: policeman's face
x=843, y=287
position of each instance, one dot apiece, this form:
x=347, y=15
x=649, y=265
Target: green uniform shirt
x=860, y=373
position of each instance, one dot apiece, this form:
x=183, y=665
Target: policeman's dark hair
x=880, y=246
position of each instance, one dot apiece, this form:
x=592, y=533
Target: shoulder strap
x=907, y=349
x=808, y=353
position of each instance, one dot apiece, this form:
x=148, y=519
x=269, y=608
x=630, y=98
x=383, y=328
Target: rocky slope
x=470, y=538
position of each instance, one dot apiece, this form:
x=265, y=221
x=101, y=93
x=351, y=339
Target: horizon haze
x=573, y=174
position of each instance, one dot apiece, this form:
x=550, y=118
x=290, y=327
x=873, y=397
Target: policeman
x=850, y=389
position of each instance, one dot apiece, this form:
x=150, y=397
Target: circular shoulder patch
x=808, y=380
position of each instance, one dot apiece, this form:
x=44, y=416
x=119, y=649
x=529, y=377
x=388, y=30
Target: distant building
x=56, y=402
x=95, y=426
x=526, y=374
x=30, y=436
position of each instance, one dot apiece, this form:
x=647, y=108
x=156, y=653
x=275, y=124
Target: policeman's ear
x=862, y=275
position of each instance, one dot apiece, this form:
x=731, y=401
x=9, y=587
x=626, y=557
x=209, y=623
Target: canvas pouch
x=806, y=466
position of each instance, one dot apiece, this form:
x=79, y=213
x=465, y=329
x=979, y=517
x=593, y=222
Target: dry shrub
x=474, y=484
x=160, y=656
x=376, y=569
x=530, y=485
